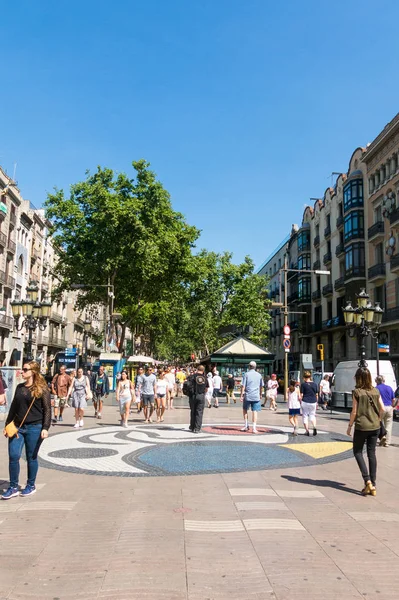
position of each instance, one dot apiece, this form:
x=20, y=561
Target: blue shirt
x=148, y=385
x=387, y=393
x=252, y=381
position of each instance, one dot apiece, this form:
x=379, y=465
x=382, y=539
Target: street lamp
x=364, y=319
x=87, y=328
x=34, y=314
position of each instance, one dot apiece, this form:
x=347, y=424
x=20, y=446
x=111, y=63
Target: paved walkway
x=300, y=531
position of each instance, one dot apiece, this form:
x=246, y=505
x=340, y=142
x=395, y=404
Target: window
x=318, y=316
x=354, y=225
x=354, y=260
x=379, y=254
x=17, y=292
x=328, y=221
x=379, y=295
x=353, y=194
x=341, y=238
x=21, y=265
x=340, y=305
x=303, y=241
x=329, y=247
x=304, y=262
x=279, y=263
x=340, y=210
x=342, y=268
x=318, y=282
x=378, y=214
x=329, y=310
x=304, y=288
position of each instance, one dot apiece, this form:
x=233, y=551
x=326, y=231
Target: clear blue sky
x=243, y=107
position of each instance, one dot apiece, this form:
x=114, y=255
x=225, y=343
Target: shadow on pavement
x=322, y=483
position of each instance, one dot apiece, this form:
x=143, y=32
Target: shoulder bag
x=383, y=431
x=11, y=429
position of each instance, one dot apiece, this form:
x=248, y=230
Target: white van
x=344, y=380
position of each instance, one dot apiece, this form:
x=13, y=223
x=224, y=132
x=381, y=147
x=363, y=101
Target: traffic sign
x=287, y=330
x=287, y=344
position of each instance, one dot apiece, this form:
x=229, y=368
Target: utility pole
x=285, y=323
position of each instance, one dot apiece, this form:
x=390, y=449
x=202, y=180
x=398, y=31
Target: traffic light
x=320, y=347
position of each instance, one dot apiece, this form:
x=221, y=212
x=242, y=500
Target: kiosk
x=113, y=363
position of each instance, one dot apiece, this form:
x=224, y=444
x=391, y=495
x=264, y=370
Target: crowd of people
x=30, y=414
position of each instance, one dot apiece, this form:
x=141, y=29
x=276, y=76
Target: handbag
x=11, y=429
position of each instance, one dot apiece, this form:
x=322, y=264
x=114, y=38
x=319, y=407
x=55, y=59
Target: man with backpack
x=195, y=387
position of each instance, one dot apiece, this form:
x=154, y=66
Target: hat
x=274, y=375
x=252, y=364
x=209, y=374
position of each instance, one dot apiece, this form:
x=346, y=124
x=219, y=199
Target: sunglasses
x=25, y=370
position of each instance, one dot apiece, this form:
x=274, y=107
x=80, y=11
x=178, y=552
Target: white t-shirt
x=170, y=378
x=124, y=390
x=325, y=386
x=272, y=387
x=293, y=399
x=217, y=382
x=162, y=384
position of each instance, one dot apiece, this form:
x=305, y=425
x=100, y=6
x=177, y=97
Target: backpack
x=188, y=387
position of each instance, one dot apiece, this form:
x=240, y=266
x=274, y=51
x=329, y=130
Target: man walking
x=138, y=386
x=197, y=385
x=230, y=389
x=100, y=389
x=388, y=397
x=148, y=391
x=217, y=388
x=59, y=387
x=251, y=393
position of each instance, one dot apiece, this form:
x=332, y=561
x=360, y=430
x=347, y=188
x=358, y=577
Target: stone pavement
x=287, y=530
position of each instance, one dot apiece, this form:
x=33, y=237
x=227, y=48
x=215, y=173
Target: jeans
x=197, y=405
x=370, y=437
x=387, y=419
x=30, y=437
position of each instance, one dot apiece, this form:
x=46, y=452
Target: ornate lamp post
x=34, y=314
x=364, y=319
x=87, y=328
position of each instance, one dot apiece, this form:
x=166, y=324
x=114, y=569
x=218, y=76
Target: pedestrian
x=124, y=395
x=309, y=397
x=294, y=405
x=209, y=390
x=138, y=383
x=324, y=392
x=388, y=399
x=30, y=417
x=60, y=386
x=148, y=393
x=180, y=379
x=367, y=411
x=161, y=392
x=217, y=388
x=251, y=393
x=80, y=392
x=230, y=388
x=197, y=386
x=100, y=389
x=171, y=379
x=271, y=392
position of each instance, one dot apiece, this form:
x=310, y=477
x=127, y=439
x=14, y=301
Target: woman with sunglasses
x=31, y=406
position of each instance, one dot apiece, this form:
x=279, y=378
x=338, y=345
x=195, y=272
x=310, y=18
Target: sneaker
x=95, y=414
x=314, y=431
x=10, y=493
x=60, y=419
x=28, y=491
x=81, y=423
x=295, y=432
x=54, y=421
x=98, y=415
x=307, y=433
x=197, y=430
x=254, y=430
x=216, y=405
x=246, y=428
x=76, y=426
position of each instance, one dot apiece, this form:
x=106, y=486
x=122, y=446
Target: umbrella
x=140, y=358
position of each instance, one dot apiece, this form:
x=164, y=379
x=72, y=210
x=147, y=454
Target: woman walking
x=124, y=395
x=30, y=412
x=209, y=390
x=325, y=392
x=294, y=405
x=309, y=397
x=271, y=392
x=161, y=391
x=80, y=391
x=367, y=410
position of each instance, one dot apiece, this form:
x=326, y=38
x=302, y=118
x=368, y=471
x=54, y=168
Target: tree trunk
x=122, y=338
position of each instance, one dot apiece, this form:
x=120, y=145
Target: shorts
x=161, y=395
x=230, y=392
x=294, y=411
x=215, y=393
x=255, y=406
x=59, y=402
x=147, y=399
x=97, y=397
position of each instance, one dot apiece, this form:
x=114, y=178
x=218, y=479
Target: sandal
x=369, y=489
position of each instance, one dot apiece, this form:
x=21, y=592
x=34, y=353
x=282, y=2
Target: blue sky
x=243, y=108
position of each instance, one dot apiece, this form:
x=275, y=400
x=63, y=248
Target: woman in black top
x=309, y=395
x=34, y=429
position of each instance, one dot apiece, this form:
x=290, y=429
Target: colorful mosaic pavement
x=156, y=450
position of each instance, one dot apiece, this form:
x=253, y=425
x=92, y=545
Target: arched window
x=21, y=265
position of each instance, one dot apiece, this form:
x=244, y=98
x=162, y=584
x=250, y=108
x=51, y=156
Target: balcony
x=334, y=322
x=327, y=258
x=340, y=221
x=317, y=327
x=339, y=284
x=316, y=241
x=56, y=341
x=56, y=316
x=3, y=240
x=327, y=231
x=10, y=282
x=304, y=299
x=377, y=272
x=376, y=231
x=3, y=210
x=43, y=340
x=328, y=289
x=3, y=277
x=340, y=249
x=355, y=273
x=6, y=322
x=394, y=217
x=292, y=298
x=304, y=247
x=316, y=265
x=316, y=295
x=391, y=314
x=292, y=275
x=35, y=255
x=395, y=263
x=11, y=247
x=13, y=218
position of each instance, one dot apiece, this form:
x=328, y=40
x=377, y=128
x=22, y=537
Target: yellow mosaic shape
x=321, y=449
